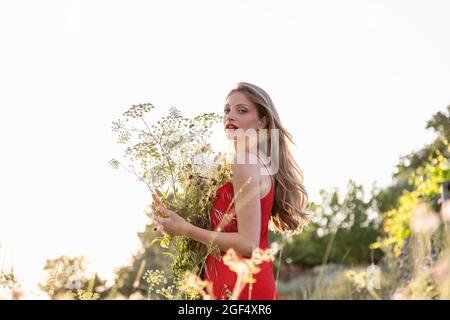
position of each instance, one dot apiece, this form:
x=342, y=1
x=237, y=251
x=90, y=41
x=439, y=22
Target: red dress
x=223, y=279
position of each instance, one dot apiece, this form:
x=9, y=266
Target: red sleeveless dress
x=223, y=279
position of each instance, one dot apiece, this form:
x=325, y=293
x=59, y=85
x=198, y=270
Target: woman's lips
x=230, y=131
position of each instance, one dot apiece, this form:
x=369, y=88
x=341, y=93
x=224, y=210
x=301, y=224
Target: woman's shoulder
x=245, y=165
x=248, y=161
x=254, y=167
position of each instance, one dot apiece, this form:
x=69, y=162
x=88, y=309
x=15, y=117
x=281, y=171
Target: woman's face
x=240, y=113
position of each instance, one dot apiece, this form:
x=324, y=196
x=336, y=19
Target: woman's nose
x=230, y=116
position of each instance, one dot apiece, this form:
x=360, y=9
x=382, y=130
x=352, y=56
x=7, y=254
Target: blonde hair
x=291, y=198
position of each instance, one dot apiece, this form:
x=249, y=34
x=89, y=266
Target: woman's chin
x=230, y=134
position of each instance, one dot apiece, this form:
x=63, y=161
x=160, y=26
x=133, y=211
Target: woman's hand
x=171, y=223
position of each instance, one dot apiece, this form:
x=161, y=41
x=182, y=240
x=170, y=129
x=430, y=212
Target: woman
x=277, y=197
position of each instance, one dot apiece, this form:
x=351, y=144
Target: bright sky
x=354, y=82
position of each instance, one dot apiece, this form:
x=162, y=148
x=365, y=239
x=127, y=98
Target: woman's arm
x=224, y=240
x=248, y=214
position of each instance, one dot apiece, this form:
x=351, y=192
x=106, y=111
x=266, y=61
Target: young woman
x=277, y=197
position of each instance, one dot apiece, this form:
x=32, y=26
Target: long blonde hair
x=291, y=198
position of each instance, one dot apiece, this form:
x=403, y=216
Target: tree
x=440, y=123
x=340, y=231
x=418, y=175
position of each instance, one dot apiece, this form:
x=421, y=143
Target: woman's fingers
x=166, y=212
x=161, y=220
x=161, y=223
x=159, y=226
x=166, y=220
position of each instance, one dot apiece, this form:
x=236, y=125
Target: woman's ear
x=263, y=122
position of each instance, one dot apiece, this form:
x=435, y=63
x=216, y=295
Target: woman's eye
x=240, y=110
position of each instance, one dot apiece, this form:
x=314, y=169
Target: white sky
x=354, y=82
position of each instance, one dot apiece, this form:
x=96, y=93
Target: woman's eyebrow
x=240, y=104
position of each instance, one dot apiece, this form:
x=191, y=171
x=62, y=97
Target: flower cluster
x=87, y=295
x=174, y=159
x=155, y=277
x=193, y=286
x=10, y=287
x=138, y=110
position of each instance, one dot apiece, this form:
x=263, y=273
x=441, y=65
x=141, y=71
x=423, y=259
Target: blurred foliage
x=10, y=286
x=418, y=176
x=67, y=279
x=343, y=231
x=415, y=241
x=340, y=231
x=130, y=279
x=426, y=182
x=440, y=124
x=327, y=282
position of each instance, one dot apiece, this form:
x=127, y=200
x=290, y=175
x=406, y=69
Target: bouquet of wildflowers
x=173, y=158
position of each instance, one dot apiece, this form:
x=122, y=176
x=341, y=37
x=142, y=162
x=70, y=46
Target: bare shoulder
x=266, y=175
x=243, y=168
x=250, y=171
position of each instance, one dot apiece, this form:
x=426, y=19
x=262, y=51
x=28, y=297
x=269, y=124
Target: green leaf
x=155, y=240
x=165, y=242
